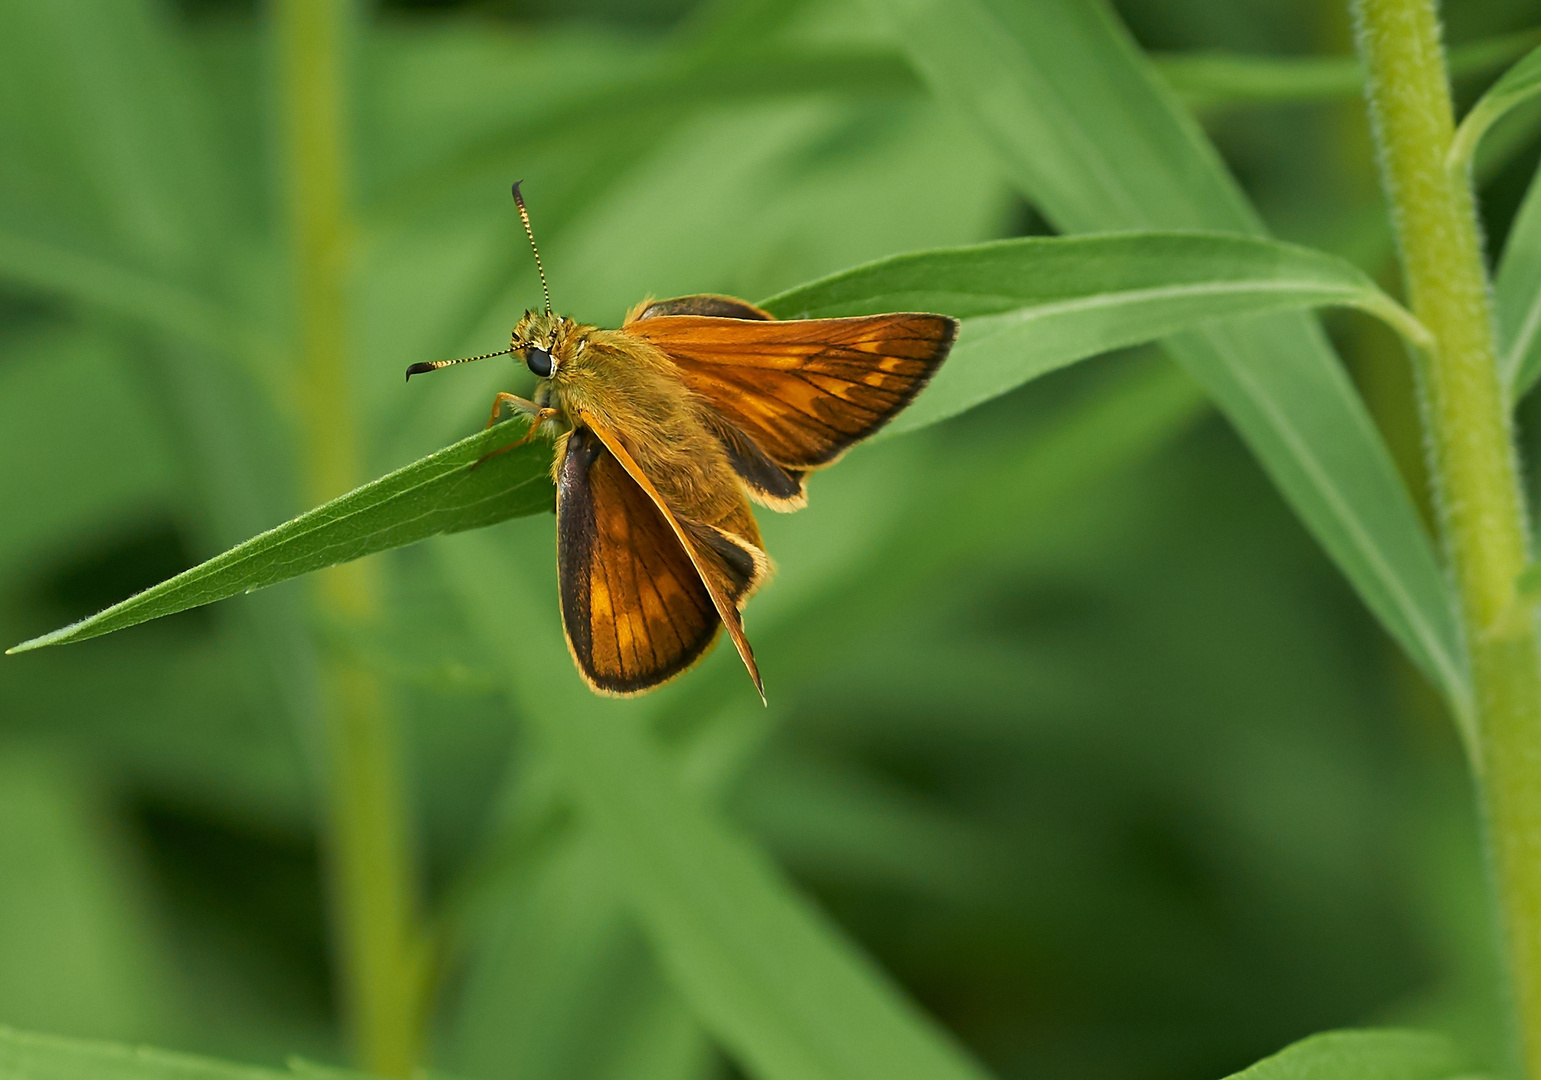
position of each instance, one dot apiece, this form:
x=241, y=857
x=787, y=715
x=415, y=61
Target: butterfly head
x=546, y=342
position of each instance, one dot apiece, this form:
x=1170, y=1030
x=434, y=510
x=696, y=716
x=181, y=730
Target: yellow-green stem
x=370, y=872
x=1473, y=465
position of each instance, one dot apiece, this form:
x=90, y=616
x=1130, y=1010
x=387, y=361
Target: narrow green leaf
x=1213, y=78
x=1036, y=304
x=440, y=493
x=1517, y=297
x=49, y=1057
x=1091, y=135
x=1518, y=84
x=1222, y=78
x=1362, y=1055
x=766, y=973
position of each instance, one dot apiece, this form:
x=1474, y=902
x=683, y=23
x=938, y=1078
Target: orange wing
x=798, y=393
x=638, y=607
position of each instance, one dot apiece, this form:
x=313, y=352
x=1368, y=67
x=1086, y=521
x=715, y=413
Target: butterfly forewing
x=633, y=605
x=803, y=391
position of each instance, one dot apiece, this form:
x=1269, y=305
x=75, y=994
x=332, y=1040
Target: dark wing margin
x=769, y=483
x=634, y=608
x=802, y=391
x=723, y=307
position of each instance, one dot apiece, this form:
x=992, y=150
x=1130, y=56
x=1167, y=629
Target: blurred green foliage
x=1124, y=783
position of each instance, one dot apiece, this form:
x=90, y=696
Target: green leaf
x=1036, y=304
x=1362, y=1055
x=1518, y=84
x=1089, y=133
x=768, y=975
x=1220, y=78
x=441, y=493
x=1517, y=297
x=1033, y=305
x=25, y=1056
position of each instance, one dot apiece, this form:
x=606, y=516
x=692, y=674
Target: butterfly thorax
x=632, y=387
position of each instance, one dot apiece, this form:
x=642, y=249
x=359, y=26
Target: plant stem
x=370, y=868
x=1482, y=517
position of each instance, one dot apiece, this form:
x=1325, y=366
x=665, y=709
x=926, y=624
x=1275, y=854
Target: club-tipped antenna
x=524, y=216
x=435, y=365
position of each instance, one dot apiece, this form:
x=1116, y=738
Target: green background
x=1109, y=769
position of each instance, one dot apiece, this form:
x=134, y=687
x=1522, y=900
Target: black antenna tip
x=418, y=369
x=516, y=188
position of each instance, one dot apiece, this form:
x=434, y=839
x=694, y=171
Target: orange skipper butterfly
x=664, y=432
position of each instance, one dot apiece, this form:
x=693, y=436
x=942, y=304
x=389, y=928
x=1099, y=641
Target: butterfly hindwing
x=802, y=391
x=726, y=307
x=634, y=607
x=637, y=606
x=771, y=484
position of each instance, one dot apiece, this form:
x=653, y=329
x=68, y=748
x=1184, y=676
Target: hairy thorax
x=630, y=386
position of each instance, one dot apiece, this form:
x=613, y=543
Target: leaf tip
x=53, y=637
x=30, y=644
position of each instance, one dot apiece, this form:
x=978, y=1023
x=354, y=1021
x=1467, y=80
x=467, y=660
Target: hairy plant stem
x=370, y=868
x=1466, y=417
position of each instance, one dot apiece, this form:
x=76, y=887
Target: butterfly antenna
x=435, y=365
x=524, y=216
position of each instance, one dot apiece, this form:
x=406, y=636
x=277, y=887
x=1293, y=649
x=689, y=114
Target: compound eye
x=539, y=361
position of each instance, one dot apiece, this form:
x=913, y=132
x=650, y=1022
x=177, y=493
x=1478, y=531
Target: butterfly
x=665, y=431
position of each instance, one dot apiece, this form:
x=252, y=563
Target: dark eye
x=539, y=360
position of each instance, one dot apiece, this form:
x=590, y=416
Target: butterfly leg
x=514, y=402
x=538, y=416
